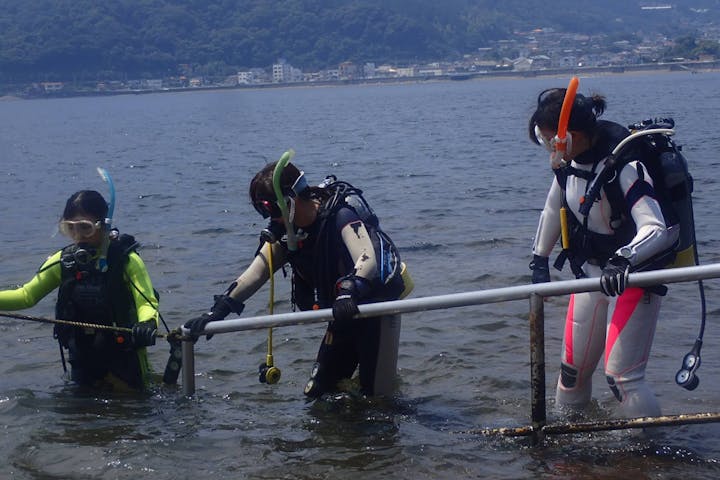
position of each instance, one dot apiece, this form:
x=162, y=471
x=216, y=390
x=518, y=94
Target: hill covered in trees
x=87, y=39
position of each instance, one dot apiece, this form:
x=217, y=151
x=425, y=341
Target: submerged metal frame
x=534, y=292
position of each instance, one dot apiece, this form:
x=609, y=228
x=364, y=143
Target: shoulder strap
x=127, y=243
x=615, y=197
x=561, y=175
x=120, y=248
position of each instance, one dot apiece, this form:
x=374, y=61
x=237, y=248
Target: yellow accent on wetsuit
x=49, y=277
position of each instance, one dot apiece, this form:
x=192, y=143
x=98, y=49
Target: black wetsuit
x=368, y=343
x=336, y=245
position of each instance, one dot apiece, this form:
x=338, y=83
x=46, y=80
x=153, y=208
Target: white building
x=152, y=83
x=405, y=71
x=281, y=72
x=245, y=78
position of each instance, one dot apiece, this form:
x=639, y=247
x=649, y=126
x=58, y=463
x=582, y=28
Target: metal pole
x=537, y=366
x=535, y=292
x=188, y=365
x=603, y=425
x=643, y=279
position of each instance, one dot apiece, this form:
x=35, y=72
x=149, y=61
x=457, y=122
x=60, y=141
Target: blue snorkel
x=281, y=203
x=102, y=261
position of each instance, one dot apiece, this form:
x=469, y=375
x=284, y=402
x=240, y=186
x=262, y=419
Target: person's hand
x=197, y=324
x=615, y=276
x=144, y=334
x=344, y=308
x=540, y=269
x=224, y=304
x=345, y=305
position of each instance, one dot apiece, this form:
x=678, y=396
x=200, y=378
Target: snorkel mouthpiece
x=282, y=204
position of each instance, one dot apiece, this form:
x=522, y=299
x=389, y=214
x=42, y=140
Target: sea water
x=450, y=171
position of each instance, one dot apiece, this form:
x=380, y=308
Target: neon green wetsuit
x=96, y=353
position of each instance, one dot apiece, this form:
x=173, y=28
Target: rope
x=71, y=323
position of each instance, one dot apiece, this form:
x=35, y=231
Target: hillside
x=86, y=39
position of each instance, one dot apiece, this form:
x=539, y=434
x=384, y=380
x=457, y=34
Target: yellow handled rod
x=564, y=232
x=269, y=373
x=269, y=359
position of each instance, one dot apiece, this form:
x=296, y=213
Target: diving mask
x=557, y=147
x=79, y=229
x=267, y=208
x=270, y=208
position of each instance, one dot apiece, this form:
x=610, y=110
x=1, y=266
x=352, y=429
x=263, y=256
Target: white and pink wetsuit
x=623, y=327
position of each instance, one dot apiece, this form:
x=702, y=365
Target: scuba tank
x=674, y=184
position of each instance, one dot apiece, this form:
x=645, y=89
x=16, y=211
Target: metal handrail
x=437, y=302
x=535, y=292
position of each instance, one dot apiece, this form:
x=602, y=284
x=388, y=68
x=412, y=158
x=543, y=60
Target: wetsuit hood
x=605, y=138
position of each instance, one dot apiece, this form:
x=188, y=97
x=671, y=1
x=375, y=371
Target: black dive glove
x=349, y=290
x=224, y=304
x=540, y=269
x=615, y=276
x=144, y=334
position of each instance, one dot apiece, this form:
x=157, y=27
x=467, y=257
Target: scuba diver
x=602, y=242
x=340, y=258
x=101, y=280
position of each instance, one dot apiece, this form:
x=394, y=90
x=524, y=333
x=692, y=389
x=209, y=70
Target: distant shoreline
x=688, y=67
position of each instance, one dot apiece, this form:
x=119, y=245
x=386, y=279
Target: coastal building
x=522, y=64
x=430, y=70
x=50, y=87
x=281, y=71
x=405, y=71
x=151, y=84
x=385, y=71
x=245, y=78
x=348, y=70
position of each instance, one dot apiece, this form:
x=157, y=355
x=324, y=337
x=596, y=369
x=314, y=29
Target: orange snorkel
x=561, y=135
x=561, y=148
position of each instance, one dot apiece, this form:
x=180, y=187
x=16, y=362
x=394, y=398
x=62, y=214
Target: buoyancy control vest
x=387, y=285
x=672, y=185
x=585, y=244
x=88, y=295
